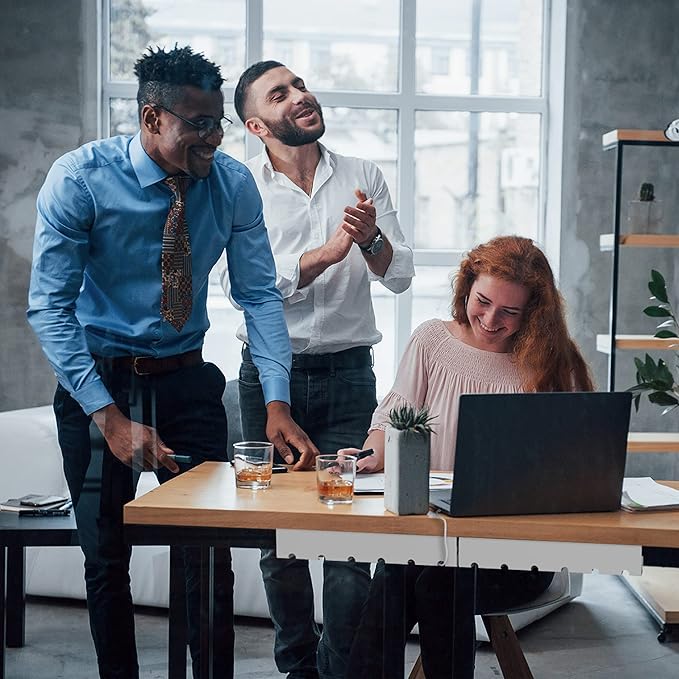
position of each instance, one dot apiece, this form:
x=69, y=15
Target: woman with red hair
x=507, y=334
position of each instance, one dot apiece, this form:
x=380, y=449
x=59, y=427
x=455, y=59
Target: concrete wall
x=617, y=76
x=44, y=111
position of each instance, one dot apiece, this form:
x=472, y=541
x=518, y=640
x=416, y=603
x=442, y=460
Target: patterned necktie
x=176, y=298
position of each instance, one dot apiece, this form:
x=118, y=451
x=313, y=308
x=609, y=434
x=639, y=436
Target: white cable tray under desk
x=427, y=550
x=394, y=548
x=578, y=557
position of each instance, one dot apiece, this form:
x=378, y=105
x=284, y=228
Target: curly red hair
x=543, y=348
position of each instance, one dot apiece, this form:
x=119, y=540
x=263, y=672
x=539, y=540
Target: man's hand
x=314, y=262
x=134, y=444
x=338, y=245
x=359, y=221
x=282, y=430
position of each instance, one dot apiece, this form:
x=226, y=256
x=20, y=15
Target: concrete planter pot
x=406, y=471
x=645, y=216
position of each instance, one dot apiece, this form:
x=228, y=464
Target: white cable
x=443, y=563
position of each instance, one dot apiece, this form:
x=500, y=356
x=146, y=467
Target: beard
x=289, y=133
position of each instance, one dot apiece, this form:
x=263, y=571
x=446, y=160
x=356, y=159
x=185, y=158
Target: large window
x=448, y=97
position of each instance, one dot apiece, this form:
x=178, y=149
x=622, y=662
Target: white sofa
x=32, y=464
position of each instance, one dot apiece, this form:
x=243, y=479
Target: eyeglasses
x=206, y=125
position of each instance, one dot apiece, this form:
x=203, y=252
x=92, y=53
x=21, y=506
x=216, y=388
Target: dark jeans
x=443, y=602
x=333, y=404
x=186, y=408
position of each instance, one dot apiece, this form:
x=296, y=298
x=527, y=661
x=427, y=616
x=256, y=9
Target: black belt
x=356, y=357
x=147, y=365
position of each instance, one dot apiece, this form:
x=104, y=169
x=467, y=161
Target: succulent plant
x=646, y=193
x=407, y=418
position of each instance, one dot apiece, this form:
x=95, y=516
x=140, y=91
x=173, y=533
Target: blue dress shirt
x=96, y=284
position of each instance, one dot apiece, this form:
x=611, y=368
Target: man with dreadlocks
x=128, y=229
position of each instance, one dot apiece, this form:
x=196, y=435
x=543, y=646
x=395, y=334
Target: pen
x=180, y=458
x=364, y=453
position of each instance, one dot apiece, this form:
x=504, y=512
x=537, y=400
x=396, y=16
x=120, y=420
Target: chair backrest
x=559, y=590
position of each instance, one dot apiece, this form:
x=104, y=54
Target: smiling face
x=280, y=107
x=173, y=143
x=495, y=310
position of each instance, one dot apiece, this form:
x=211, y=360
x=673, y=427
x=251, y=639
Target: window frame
x=407, y=101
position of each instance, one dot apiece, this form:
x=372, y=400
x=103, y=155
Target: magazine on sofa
x=35, y=504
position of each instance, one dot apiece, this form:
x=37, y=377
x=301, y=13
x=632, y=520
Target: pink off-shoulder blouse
x=435, y=370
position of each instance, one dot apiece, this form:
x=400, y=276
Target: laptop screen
x=539, y=453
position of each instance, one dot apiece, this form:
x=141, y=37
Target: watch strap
x=376, y=237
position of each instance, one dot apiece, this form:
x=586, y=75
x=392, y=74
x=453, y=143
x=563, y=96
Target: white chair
x=501, y=633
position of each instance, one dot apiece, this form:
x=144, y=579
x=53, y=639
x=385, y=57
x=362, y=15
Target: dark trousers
x=443, y=601
x=333, y=398
x=186, y=408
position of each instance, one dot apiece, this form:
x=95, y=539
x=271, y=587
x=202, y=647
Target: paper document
x=639, y=494
x=374, y=483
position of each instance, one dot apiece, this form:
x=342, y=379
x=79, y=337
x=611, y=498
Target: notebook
x=545, y=453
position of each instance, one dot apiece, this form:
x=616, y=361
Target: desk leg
x=464, y=607
x=394, y=639
x=3, y=593
x=206, y=610
x=16, y=597
x=177, y=631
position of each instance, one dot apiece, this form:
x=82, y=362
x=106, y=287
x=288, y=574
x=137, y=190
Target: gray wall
x=43, y=73
x=617, y=76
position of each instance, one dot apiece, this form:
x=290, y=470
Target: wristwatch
x=375, y=245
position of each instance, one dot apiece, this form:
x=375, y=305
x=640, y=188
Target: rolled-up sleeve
x=252, y=285
x=287, y=279
x=60, y=251
x=401, y=270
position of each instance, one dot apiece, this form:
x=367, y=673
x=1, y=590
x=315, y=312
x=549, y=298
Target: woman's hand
x=368, y=465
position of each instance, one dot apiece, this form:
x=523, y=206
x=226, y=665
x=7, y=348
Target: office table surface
x=206, y=497
x=16, y=530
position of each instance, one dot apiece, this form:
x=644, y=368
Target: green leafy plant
x=656, y=378
x=407, y=418
x=646, y=192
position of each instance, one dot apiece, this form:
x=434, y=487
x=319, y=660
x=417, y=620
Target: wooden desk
x=289, y=515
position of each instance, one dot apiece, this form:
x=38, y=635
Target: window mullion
x=406, y=170
x=104, y=118
x=254, y=48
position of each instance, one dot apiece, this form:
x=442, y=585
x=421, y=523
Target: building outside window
x=462, y=148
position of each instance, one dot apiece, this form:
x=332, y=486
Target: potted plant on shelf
x=645, y=213
x=406, y=460
x=653, y=377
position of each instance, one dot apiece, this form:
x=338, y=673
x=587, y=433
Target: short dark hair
x=249, y=76
x=162, y=75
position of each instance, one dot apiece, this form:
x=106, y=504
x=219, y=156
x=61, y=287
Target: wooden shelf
x=614, y=136
x=653, y=442
x=638, y=342
x=658, y=591
x=639, y=240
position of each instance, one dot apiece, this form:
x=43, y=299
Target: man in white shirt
x=333, y=230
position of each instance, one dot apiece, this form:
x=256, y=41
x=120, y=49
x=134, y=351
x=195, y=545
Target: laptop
x=544, y=453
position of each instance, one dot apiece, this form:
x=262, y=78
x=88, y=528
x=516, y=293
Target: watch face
x=376, y=245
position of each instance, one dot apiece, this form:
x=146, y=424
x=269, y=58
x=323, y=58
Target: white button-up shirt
x=335, y=311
